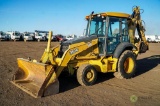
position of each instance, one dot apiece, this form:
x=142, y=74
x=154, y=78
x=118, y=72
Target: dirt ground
x=143, y=89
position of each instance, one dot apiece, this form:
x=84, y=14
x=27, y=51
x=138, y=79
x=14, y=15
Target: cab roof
x=112, y=14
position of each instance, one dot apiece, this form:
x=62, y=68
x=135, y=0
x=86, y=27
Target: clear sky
x=68, y=16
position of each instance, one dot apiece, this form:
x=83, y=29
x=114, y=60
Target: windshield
x=16, y=34
x=69, y=36
x=97, y=26
x=26, y=35
x=39, y=34
x=2, y=33
x=42, y=34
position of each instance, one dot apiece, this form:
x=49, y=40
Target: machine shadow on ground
x=67, y=83
x=70, y=82
x=143, y=65
x=146, y=64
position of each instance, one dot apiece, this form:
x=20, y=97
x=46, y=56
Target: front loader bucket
x=37, y=79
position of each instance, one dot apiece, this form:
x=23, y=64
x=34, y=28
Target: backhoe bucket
x=37, y=79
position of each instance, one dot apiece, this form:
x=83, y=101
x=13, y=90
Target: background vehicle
x=4, y=36
x=108, y=46
x=8, y=37
x=15, y=35
x=41, y=35
x=28, y=36
x=151, y=38
x=157, y=39
x=69, y=37
x=59, y=38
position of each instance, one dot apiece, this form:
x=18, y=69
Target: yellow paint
x=31, y=76
x=128, y=65
x=104, y=64
x=90, y=76
x=112, y=14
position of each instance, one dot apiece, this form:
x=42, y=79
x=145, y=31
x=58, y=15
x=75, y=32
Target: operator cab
x=111, y=29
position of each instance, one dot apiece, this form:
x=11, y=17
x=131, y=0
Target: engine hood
x=77, y=40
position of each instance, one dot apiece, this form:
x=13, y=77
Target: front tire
x=126, y=65
x=86, y=75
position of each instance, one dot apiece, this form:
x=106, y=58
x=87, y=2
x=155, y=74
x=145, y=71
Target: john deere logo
x=133, y=98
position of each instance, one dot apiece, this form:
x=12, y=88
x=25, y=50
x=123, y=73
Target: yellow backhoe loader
x=108, y=46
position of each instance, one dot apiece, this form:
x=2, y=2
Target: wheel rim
x=128, y=65
x=90, y=76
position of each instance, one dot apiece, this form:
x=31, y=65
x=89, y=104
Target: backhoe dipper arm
x=136, y=23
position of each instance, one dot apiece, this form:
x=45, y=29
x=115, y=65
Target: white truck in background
x=157, y=38
x=14, y=35
x=151, y=38
x=28, y=36
x=69, y=37
x=41, y=35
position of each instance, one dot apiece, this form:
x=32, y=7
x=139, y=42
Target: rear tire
x=126, y=65
x=86, y=75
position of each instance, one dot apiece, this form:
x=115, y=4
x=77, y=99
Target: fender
x=121, y=47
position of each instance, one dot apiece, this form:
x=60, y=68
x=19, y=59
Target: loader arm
x=50, y=54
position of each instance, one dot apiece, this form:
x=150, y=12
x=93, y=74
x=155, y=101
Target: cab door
x=117, y=33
